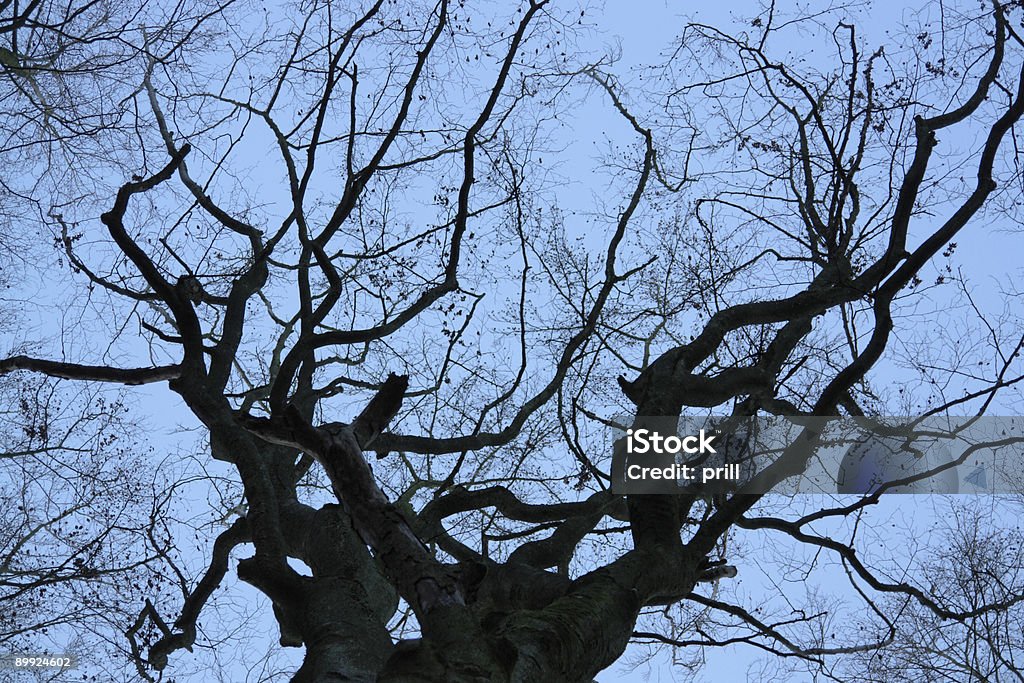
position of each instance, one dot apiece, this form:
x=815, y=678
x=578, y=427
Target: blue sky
x=640, y=32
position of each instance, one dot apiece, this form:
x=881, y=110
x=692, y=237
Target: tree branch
x=96, y=373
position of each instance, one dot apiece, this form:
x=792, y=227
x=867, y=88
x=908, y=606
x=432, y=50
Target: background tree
x=84, y=537
x=979, y=565
x=345, y=246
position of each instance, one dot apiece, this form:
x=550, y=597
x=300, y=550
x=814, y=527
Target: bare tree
x=85, y=535
x=349, y=255
x=975, y=564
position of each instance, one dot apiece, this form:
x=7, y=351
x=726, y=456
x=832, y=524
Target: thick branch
x=96, y=373
x=186, y=623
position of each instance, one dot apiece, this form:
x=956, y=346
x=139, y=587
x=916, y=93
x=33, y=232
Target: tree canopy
x=396, y=269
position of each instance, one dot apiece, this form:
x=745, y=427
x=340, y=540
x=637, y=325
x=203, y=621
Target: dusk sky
x=320, y=324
